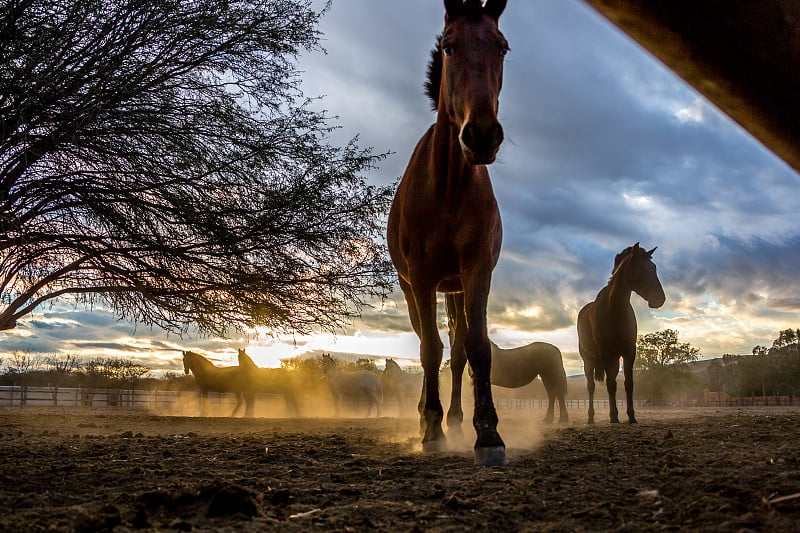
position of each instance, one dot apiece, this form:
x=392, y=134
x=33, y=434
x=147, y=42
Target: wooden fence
x=164, y=400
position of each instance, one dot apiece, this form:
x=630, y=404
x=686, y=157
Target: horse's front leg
x=627, y=365
x=490, y=450
x=203, y=397
x=458, y=359
x=431, y=358
x=612, y=371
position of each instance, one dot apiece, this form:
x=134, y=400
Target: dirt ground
x=66, y=469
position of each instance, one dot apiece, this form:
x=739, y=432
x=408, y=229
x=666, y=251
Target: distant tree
x=662, y=364
x=59, y=368
x=160, y=159
x=130, y=373
x=21, y=368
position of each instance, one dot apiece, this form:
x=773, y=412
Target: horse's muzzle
x=481, y=143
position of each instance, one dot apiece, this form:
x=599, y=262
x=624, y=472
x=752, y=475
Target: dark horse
x=516, y=367
x=607, y=326
x=444, y=232
x=211, y=378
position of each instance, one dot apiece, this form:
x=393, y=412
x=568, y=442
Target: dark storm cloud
x=604, y=147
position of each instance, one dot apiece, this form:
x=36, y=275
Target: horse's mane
x=434, y=74
x=473, y=9
x=198, y=357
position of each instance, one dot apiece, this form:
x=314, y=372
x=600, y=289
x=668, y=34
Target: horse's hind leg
x=458, y=358
x=611, y=384
x=551, y=404
x=203, y=399
x=588, y=370
x=239, y=402
x=563, y=416
x=250, y=405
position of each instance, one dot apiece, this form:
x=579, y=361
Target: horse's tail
x=599, y=374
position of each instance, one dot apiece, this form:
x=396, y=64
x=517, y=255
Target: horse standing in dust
x=211, y=378
x=516, y=367
x=444, y=231
x=402, y=385
x=269, y=381
x=607, y=326
x=359, y=384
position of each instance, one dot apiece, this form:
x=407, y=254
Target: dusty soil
x=65, y=469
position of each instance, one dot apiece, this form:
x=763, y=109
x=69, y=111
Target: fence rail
x=11, y=395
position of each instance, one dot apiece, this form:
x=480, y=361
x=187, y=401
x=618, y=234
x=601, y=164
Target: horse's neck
x=334, y=374
x=447, y=157
x=619, y=293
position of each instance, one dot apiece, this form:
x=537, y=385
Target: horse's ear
x=650, y=253
x=453, y=8
x=635, y=247
x=494, y=8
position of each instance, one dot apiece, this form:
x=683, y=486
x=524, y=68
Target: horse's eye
x=504, y=51
x=448, y=50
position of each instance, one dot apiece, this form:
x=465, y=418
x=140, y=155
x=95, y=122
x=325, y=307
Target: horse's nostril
x=468, y=134
x=498, y=134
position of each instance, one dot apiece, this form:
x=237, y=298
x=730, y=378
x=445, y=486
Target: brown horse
x=444, y=231
x=211, y=378
x=269, y=381
x=607, y=326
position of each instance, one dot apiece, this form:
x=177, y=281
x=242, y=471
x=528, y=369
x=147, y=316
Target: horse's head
x=640, y=275
x=327, y=362
x=392, y=367
x=466, y=75
x=186, y=356
x=245, y=360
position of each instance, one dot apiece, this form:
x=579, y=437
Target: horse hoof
x=615, y=422
x=491, y=456
x=434, y=446
x=633, y=423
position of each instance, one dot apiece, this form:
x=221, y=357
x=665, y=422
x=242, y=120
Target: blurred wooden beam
x=743, y=55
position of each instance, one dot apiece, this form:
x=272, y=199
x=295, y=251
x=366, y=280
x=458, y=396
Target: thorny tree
x=158, y=157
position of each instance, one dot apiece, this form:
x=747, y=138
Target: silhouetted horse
x=359, y=384
x=269, y=381
x=607, y=326
x=211, y=378
x=517, y=367
x=401, y=385
x=444, y=232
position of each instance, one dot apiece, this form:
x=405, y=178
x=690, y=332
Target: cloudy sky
x=604, y=147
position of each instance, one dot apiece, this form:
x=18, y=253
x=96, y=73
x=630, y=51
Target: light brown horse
x=607, y=326
x=399, y=384
x=516, y=367
x=269, y=381
x=444, y=231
